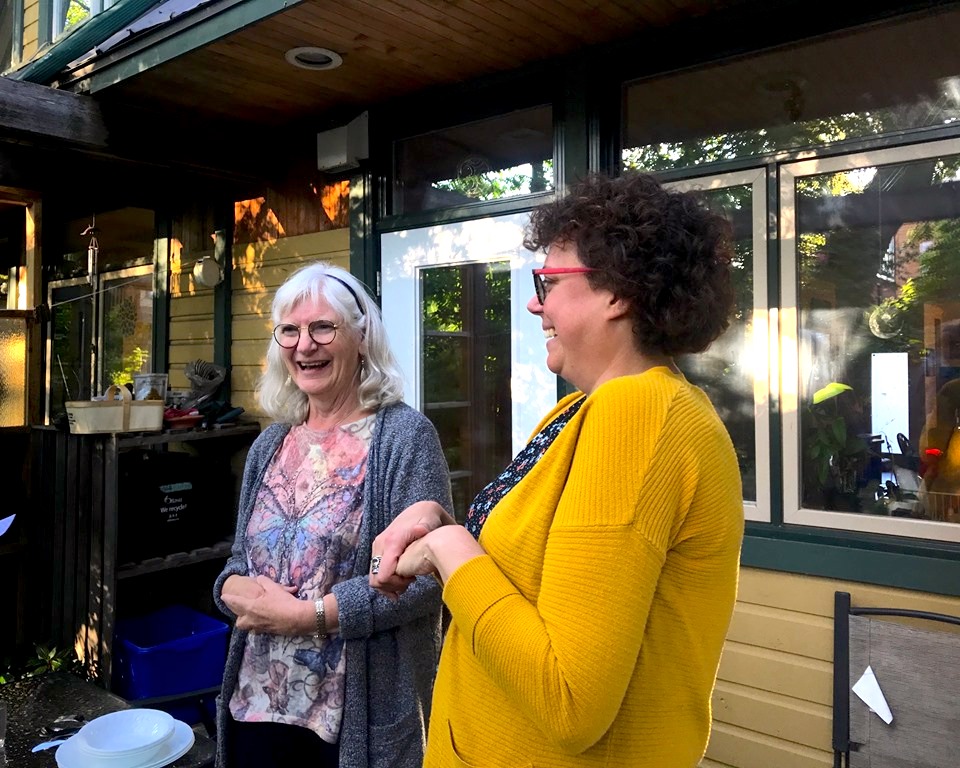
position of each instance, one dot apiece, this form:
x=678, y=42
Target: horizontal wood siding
x=31, y=29
x=259, y=268
x=772, y=706
x=191, y=328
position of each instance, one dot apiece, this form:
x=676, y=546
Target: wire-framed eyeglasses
x=540, y=285
x=287, y=335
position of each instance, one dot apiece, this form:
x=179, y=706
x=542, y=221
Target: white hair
x=381, y=384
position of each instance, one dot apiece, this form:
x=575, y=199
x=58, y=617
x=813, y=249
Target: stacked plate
x=130, y=738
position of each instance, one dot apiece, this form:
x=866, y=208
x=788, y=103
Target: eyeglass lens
x=539, y=287
x=321, y=331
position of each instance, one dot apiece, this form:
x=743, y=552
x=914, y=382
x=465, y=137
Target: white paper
x=868, y=689
x=5, y=524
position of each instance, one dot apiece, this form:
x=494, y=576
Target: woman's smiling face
x=327, y=373
x=572, y=318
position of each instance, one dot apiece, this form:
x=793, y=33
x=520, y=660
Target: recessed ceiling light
x=311, y=57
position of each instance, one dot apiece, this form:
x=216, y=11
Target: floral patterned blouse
x=522, y=463
x=303, y=532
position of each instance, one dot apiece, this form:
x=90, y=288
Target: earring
x=363, y=367
x=289, y=381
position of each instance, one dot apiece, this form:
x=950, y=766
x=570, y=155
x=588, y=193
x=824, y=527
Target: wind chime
x=93, y=248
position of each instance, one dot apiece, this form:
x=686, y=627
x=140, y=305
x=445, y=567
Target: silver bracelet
x=321, y=620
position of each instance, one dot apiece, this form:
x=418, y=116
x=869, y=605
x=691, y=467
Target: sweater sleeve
x=567, y=658
x=413, y=469
x=258, y=457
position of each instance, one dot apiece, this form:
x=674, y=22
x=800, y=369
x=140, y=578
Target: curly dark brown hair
x=663, y=252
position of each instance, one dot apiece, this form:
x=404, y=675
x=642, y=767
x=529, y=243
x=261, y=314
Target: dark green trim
x=923, y=566
x=174, y=39
x=16, y=44
x=161, y=293
x=773, y=300
x=78, y=41
x=44, y=26
x=223, y=293
x=364, y=243
x=571, y=135
x=463, y=213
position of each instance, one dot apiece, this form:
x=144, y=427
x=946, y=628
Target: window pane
x=8, y=28
x=491, y=159
x=465, y=313
x=71, y=334
x=13, y=371
x=878, y=252
x=827, y=92
x=127, y=327
x=726, y=370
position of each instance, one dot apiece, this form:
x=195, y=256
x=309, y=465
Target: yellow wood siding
x=31, y=29
x=191, y=317
x=772, y=707
x=258, y=270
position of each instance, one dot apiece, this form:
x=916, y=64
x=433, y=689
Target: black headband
x=352, y=292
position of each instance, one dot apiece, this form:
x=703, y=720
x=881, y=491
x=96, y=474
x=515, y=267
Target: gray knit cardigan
x=392, y=648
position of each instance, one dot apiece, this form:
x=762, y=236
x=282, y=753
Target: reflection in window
x=823, y=93
x=501, y=157
x=879, y=333
x=465, y=320
x=86, y=356
x=127, y=327
x=71, y=339
x=66, y=14
x=725, y=371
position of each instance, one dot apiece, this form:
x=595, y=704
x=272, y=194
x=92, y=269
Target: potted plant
x=837, y=456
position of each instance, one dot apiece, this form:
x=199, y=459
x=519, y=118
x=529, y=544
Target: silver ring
x=375, y=564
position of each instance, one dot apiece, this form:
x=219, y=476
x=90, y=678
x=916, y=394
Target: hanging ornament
x=93, y=247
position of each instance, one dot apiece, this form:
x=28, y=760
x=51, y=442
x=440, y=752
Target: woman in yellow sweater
x=592, y=585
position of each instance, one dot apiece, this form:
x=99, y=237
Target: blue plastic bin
x=171, y=651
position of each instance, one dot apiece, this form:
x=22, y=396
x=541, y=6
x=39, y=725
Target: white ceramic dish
x=69, y=754
x=126, y=733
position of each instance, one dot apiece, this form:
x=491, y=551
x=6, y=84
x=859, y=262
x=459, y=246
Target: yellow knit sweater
x=590, y=632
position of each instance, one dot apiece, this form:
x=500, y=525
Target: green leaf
x=839, y=429
x=832, y=389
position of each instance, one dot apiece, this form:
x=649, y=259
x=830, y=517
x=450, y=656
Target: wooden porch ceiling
x=390, y=49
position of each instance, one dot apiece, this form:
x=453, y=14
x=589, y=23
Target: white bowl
x=125, y=734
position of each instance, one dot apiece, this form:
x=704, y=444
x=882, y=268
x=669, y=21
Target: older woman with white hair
x=322, y=669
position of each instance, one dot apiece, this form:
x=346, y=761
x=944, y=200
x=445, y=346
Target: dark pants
x=277, y=745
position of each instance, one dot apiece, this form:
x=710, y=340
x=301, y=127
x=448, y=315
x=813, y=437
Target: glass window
x=500, y=157
x=879, y=81
x=872, y=296
x=126, y=326
x=14, y=330
x=71, y=339
x=733, y=371
x=465, y=369
x=66, y=14
x=101, y=303
x=473, y=358
x=9, y=35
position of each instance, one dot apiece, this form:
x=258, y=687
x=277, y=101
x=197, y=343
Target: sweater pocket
x=450, y=758
x=398, y=744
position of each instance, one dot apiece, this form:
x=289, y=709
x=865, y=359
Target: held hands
x=422, y=540
x=262, y=605
x=415, y=522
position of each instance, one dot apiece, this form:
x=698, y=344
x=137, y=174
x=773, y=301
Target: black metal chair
x=918, y=671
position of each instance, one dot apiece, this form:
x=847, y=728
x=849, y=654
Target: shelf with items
x=89, y=509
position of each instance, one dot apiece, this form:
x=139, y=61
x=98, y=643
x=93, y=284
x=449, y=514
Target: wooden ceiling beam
x=36, y=112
